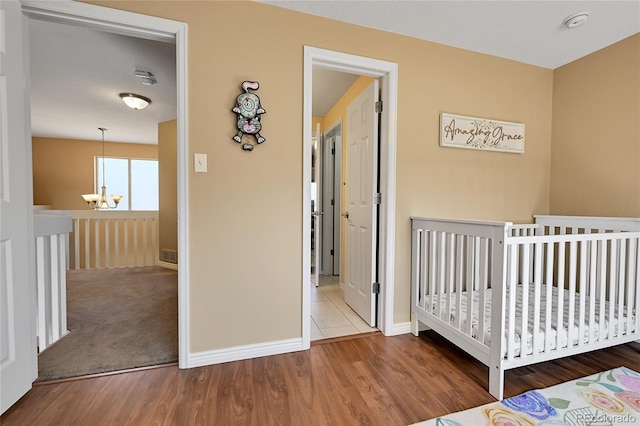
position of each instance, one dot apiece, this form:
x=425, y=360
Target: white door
x=361, y=214
x=18, y=363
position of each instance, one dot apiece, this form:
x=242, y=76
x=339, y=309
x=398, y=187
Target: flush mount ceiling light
x=135, y=101
x=575, y=20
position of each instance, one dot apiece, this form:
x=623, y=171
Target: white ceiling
x=528, y=31
x=328, y=87
x=77, y=73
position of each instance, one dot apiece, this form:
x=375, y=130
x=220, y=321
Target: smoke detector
x=576, y=20
x=146, y=77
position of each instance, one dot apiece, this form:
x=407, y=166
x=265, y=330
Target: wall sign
x=459, y=131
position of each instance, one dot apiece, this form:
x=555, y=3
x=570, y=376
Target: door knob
x=345, y=215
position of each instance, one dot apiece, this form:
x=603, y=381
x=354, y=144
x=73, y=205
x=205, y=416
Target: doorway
x=150, y=28
x=144, y=330
x=386, y=72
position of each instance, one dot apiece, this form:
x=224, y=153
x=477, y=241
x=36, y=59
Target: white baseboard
x=401, y=328
x=167, y=265
x=200, y=359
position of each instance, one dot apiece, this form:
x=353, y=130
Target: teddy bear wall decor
x=249, y=110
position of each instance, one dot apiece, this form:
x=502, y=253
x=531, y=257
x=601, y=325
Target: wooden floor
x=367, y=380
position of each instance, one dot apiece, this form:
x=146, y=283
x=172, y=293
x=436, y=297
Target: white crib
x=486, y=286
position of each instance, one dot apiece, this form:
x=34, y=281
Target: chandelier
x=100, y=201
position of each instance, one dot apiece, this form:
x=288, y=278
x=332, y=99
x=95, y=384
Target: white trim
x=101, y=18
x=199, y=359
x=148, y=27
x=335, y=125
x=167, y=265
x=401, y=328
x=387, y=72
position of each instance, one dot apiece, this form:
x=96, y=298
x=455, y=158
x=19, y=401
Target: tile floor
x=330, y=315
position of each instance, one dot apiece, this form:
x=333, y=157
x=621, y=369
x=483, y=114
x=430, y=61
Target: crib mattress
x=564, y=332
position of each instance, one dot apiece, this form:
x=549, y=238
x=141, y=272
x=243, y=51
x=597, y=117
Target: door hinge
x=379, y=107
x=331, y=252
x=333, y=151
x=333, y=202
x=375, y=288
x=377, y=198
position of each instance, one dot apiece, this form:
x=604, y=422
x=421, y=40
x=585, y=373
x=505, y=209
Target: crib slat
x=443, y=265
x=620, y=287
x=415, y=287
x=593, y=295
x=511, y=287
x=572, y=293
x=630, y=289
x=602, y=281
x=582, y=291
x=549, y=299
x=613, y=261
x=537, y=282
x=561, y=285
x=524, y=323
x=482, y=288
x=430, y=285
x=450, y=287
x=471, y=271
x=458, y=289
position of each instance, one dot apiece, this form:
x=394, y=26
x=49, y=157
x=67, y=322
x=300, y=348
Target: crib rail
x=582, y=291
x=552, y=225
x=451, y=262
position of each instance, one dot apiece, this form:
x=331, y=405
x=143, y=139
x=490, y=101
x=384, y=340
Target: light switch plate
x=200, y=163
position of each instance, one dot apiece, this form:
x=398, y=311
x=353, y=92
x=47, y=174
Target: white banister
x=102, y=238
x=51, y=230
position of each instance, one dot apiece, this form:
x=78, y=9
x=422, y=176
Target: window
x=136, y=179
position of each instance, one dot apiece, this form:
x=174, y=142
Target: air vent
x=170, y=256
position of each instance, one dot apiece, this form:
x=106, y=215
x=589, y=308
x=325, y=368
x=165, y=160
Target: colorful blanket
x=608, y=398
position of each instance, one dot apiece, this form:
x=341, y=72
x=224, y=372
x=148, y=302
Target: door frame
x=387, y=73
x=160, y=29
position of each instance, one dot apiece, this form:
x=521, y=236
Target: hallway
x=330, y=315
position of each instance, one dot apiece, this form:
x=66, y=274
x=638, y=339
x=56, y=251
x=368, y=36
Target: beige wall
x=63, y=169
x=595, y=156
x=167, y=186
x=245, y=237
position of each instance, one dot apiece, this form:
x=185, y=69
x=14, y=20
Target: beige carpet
x=119, y=318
